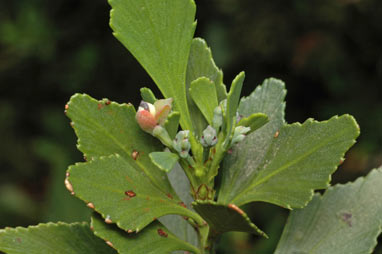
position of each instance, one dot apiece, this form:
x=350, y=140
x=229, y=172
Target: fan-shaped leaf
x=299, y=158
x=346, y=219
x=122, y=193
x=159, y=35
x=105, y=128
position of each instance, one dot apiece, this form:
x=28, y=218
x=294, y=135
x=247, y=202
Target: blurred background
x=329, y=53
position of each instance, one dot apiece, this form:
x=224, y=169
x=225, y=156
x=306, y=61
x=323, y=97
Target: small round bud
x=217, y=119
x=209, y=137
x=181, y=143
x=239, y=134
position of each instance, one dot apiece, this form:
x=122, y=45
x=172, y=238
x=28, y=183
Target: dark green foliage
x=327, y=51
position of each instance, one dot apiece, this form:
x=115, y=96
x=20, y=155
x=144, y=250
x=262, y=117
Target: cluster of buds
x=209, y=138
x=152, y=117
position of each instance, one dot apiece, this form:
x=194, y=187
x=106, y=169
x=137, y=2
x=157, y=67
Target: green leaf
x=254, y=121
x=346, y=219
x=164, y=160
x=105, y=128
x=299, y=160
x=172, y=124
x=159, y=35
x=204, y=95
x=175, y=223
x=155, y=239
x=225, y=218
x=52, y=238
x=232, y=104
x=148, y=95
x=201, y=64
x=120, y=191
x=268, y=99
x=283, y=166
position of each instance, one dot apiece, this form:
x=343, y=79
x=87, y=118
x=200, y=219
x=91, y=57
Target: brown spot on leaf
x=146, y=209
x=170, y=196
x=147, y=198
x=182, y=204
x=162, y=233
x=276, y=134
x=236, y=209
x=347, y=218
x=129, y=231
x=66, y=107
x=130, y=193
x=100, y=106
x=67, y=174
x=91, y=228
x=107, y=102
x=18, y=239
x=135, y=155
x=90, y=205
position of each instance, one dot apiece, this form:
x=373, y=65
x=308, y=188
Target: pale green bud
x=181, y=143
x=217, y=119
x=209, y=137
x=239, y=134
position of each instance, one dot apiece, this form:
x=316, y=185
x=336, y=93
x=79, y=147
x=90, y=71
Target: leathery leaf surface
x=298, y=159
x=225, y=218
x=159, y=35
x=122, y=193
x=346, y=219
x=155, y=239
x=52, y=238
x=105, y=128
x=201, y=64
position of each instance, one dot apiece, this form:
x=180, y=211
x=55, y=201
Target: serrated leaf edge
x=342, y=186
x=43, y=225
x=308, y=121
x=128, y=153
x=96, y=233
x=175, y=200
x=237, y=210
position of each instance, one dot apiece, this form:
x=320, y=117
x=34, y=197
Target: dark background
x=329, y=53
